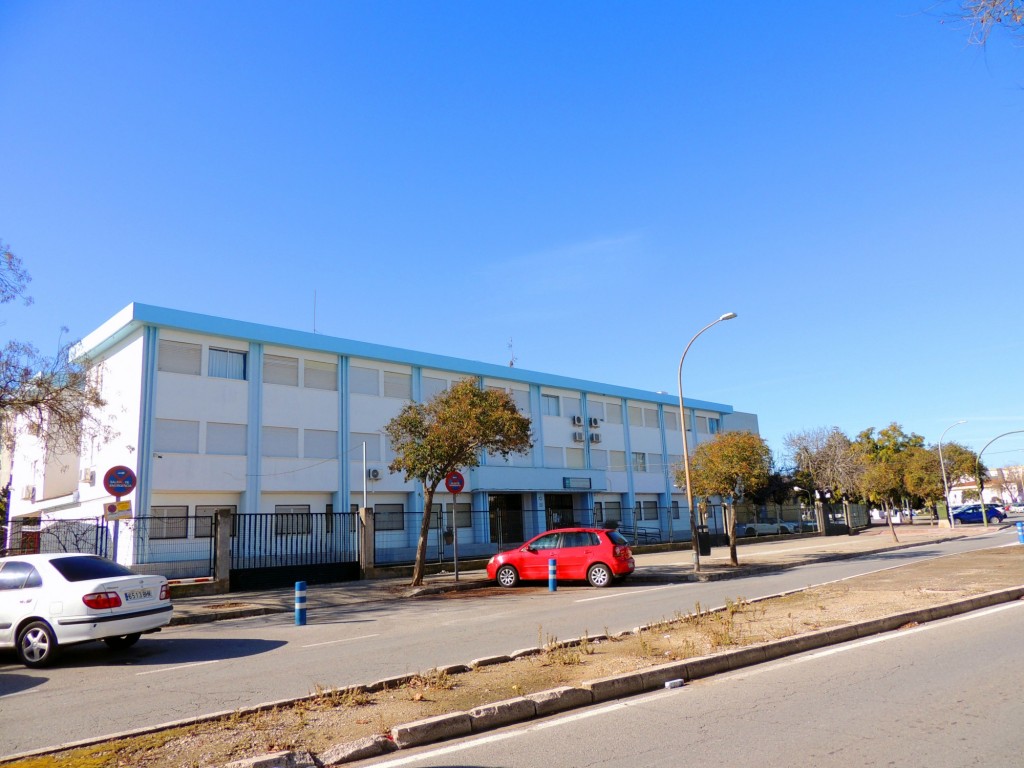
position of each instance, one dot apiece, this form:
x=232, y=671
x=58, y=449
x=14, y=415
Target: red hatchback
x=597, y=555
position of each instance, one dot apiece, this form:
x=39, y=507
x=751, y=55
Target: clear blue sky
x=594, y=180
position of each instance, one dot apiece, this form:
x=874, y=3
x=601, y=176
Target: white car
x=764, y=529
x=52, y=600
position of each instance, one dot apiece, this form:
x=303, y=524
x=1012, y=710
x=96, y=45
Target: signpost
x=455, y=482
x=118, y=481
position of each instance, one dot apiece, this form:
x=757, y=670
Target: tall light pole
x=686, y=452
x=942, y=466
x=981, y=480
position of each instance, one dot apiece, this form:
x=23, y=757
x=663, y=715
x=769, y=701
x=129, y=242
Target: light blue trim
x=144, y=314
x=343, y=496
x=254, y=438
x=537, y=422
x=147, y=411
x=628, y=445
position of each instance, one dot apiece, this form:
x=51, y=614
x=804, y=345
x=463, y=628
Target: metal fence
x=88, y=535
x=175, y=546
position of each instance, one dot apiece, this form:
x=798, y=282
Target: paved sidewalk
x=658, y=567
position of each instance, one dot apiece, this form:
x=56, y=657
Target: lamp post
x=942, y=466
x=686, y=452
x=981, y=480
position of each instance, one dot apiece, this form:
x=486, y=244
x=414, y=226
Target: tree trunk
x=892, y=529
x=421, y=545
x=730, y=523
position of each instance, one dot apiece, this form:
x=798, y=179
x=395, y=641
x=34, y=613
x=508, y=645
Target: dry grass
x=331, y=716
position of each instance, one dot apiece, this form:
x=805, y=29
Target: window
x=671, y=421
x=571, y=406
x=463, y=515
x=639, y=462
x=179, y=357
x=281, y=442
x=714, y=426
x=521, y=397
x=292, y=520
x=226, y=439
x=651, y=418
x=549, y=405
x=363, y=381
x=595, y=410
x=281, y=370
x=320, y=444
x=598, y=458
x=598, y=512
x=649, y=510
x=398, y=385
x=372, y=441
x=432, y=387
x=206, y=516
x=550, y=541
x=579, y=539
x=702, y=424
x=317, y=375
x=168, y=523
x=574, y=458
x=654, y=462
x=19, y=576
x=553, y=456
x=636, y=416
x=675, y=510
x=612, y=511
x=675, y=461
x=613, y=414
x=389, y=517
x=175, y=436
x=227, y=364
x=617, y=461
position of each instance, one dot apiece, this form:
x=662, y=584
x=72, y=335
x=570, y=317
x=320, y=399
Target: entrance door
x=560, y=512
x=506, y=519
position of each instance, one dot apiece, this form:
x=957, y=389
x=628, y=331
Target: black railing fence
x=89, y=535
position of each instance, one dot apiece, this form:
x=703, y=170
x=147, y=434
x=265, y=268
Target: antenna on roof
x=511, y=356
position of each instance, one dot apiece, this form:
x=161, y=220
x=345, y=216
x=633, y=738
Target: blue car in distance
x=972, y=514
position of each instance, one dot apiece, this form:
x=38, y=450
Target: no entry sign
x=454, y=482
x=119, y=481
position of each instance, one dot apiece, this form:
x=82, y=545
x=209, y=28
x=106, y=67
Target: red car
x=593, y=554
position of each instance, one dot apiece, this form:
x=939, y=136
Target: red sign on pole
x=119, y=481
x=454, y=482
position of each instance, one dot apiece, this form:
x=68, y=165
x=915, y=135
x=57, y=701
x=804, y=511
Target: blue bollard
x=1020, y=533
x=552, y=575
x=300, y=603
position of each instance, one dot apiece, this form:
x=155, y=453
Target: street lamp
x=942, y=466
x=686, y=452
x=981, y=480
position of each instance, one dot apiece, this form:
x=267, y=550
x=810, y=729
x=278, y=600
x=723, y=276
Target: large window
x=574, y=458
x=398, y=385
x=206, y=516
x=389, y=517
x=281, y=442
x=549, y=405
x=227, y=364
x=226, y=439
x=180, y=357
x=320, y=444
x=281, y=370
x=648, y=510
x=636, y=416
x=292, y=520
x=176, y=436
x=616, y=461
x=363, y=381
x=168, y=522
x=639, y=462
x=317, y=375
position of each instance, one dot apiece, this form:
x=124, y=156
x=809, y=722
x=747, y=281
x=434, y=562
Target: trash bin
x=703, y=540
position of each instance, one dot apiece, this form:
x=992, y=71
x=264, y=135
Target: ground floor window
x=168, y=523
x=292, y=519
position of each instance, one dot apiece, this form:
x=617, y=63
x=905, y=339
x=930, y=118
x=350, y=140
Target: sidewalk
x=651, y=567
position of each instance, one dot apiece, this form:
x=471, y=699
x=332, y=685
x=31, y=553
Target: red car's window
x=618, y=538
x=550, y=541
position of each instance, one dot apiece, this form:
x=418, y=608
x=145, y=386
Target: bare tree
x=983, y=17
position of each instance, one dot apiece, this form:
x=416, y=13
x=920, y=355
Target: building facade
x=215, y=414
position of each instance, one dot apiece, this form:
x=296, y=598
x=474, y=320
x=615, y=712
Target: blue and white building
x=212, y=413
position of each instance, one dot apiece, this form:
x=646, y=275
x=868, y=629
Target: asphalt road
x=190, y=671
x=943, y=694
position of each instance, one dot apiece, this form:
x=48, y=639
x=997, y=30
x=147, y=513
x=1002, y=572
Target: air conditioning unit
x=595, y=437
x=577, y=437
x=373, y=474
x=87, y=476
x=577, y=421
x=28, y=493
x=594, y=422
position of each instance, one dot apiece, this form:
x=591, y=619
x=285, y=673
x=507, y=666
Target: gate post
x=367, y=542
x=222, y=550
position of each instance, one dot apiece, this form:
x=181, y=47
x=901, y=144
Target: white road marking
x=628, y=593
x=175, y=669
x=343, y=640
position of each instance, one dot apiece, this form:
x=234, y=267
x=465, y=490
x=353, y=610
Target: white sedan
x=52, y=600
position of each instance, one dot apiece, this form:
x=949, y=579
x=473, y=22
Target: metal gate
x=270, y=550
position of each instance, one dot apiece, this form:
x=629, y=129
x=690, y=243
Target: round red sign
x=454, y=482
x=119, y=481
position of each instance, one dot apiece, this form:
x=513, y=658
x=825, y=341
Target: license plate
x=138, y=594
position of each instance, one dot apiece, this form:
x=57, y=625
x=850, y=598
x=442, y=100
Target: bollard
x=300, y=603
x=552, y=575
x=1020, y=533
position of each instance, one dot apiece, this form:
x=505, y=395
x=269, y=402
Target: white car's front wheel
x=37, y=644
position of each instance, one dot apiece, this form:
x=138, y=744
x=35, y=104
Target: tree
x=985, y=16
x=54, y=398
x=449, y=433
x=732, y=464
x=826, y=461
